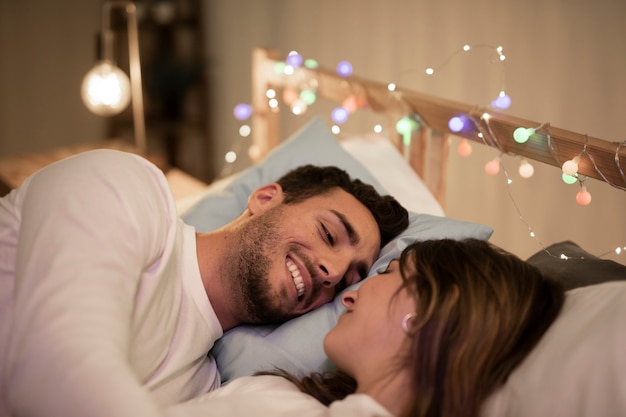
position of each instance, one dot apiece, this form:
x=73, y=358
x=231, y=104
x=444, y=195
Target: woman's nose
x=348, y=299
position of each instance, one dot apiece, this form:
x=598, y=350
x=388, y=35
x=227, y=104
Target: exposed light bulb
x=106, y=89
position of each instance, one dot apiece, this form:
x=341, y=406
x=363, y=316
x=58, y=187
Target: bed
x=579, y=367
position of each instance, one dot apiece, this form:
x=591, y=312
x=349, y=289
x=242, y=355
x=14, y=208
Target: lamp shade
x=106, y=89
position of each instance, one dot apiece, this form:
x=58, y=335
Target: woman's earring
x=406, y=322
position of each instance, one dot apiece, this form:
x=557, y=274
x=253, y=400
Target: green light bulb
x=569, y=179
x=308, y=96
x=521, y=134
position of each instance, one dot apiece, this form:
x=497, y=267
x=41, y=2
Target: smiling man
x=284, y=259
x=109, y=303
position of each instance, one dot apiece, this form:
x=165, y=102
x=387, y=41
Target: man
x=110, y=303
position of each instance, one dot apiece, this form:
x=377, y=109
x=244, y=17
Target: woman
x=433, y=335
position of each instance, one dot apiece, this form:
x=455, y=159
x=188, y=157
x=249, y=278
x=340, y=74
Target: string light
x=242, y=111
x=526, y=170
x=493, y=167
x=522, y=134
x=311, y=63
x=340, y=115
x=306, y=96
x=298, y=107
x=406, y=126
x=456, y=124
x=309, y=96
x=344, y=68
x=569, y=179
x=230, y=157
x=502, y=102
x=465, y=148
x=294, y=59
x=570, y=167
x=583, y=197
x=351, y=104
x=244, y=131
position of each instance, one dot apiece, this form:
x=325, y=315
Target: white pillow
x=578, y=369
x=383, y=160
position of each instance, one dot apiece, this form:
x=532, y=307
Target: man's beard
x=251, y=265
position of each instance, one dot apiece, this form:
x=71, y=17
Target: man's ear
x=265, y=197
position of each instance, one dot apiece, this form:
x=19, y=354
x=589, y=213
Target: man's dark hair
x=309, y=181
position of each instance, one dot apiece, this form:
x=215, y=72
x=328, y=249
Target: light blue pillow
x=297, y=345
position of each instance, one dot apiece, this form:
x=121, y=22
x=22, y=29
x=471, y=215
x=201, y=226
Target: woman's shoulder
x=358, y=405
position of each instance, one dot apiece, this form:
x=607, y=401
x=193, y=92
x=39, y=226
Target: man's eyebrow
x=352, y=234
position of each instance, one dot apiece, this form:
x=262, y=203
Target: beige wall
x=565, y=65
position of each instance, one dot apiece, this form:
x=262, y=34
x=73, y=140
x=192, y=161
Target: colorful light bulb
x=464, y=148
x=526, y=170
x=569, y=179
x=339, y=115
x=493, y=167
x=522, y=134
x=570, y=167
x=242, y=111
x=583, y=197
x=406, y=126
x=344, y=68
x=456, y=124
x=294, y=59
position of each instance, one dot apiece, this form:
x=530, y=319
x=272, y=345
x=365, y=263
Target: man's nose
x=333, y=269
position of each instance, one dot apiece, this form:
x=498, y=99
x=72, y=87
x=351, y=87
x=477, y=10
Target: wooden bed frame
x=428, y=151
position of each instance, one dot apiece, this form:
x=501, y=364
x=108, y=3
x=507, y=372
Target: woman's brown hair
x=480, y=311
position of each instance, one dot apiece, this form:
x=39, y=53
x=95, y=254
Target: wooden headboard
x=428, y=150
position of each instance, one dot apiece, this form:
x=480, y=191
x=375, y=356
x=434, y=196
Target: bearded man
x=109, y=302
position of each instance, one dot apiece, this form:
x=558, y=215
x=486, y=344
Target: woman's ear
x=265, y=197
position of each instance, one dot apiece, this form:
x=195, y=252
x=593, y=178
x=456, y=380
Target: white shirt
x=102, y=309
x=272, y=396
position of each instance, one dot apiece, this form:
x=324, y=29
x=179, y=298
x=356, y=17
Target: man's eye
x=328, y=236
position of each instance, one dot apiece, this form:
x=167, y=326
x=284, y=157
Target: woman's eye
x=387, y=268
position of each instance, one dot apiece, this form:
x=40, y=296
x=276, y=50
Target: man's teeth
x=297, y=278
